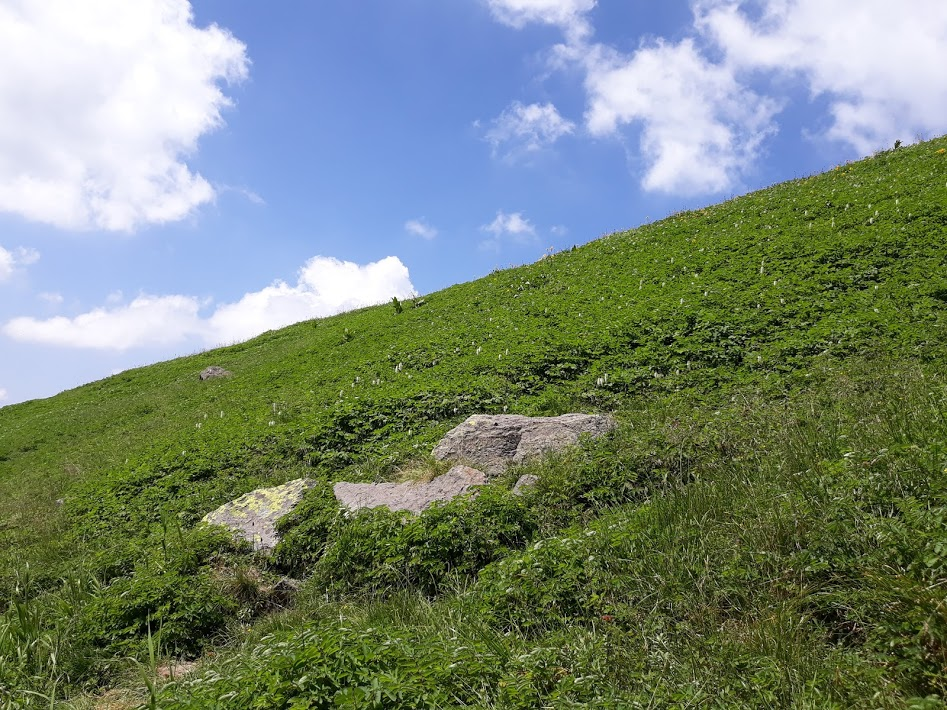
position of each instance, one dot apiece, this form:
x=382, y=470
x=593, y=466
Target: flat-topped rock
x=413, y=497
x=209, y=373
x=253, y=515
x=492, y=442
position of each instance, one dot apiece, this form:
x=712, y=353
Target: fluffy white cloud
x=20, y=256
x=420, y=228
x=513, y=226
x=3, y=395
x=567, y=14
x=526, y=129
x=146, y=321
x=700, y=126
x=325, y=286
x=108, y=99
x=879, y=63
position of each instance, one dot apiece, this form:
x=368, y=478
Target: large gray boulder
x=492, y=442
x=253, y=515
x=413, y=497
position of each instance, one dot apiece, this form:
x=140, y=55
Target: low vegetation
x=765, y=528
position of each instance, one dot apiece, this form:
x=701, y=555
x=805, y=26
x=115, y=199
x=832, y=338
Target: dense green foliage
x=765, y=528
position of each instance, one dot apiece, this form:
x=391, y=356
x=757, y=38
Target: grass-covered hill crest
x=765, y=527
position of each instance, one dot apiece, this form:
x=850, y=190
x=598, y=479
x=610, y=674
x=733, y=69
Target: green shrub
x=305, y=531
x=378, y=550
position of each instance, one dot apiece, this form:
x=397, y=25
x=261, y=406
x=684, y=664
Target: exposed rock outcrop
x=209, y=373
x=494, y=441
x=413, y=497
x=253, y=516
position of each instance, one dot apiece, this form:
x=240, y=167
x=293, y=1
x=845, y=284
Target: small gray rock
x=494, y=441
x=209, y=373
x=523, y=482
x=413, y=497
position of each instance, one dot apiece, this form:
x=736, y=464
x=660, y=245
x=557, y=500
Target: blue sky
x=179, y=175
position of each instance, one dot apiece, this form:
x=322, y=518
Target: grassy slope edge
x=789, y=554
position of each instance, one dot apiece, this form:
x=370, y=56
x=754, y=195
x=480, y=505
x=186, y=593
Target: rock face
x=253, y=516
x=494, y=441
x=209, y=373
x=413, y=497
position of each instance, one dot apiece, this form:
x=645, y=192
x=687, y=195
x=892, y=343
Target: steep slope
x=756, y=295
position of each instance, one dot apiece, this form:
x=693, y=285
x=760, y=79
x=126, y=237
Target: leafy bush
x=379, y=550
x=172, y=589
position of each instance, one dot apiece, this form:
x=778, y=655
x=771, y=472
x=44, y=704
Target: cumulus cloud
x=566, y=14
x=107, y=101
x=420, y=228
x=146, y=321
x=508, y=226
x=3, y=395
x=700, y=128
x=523, y=129
x=879, y=63
x=10, y=260
x=325, y=286
x=702, y=125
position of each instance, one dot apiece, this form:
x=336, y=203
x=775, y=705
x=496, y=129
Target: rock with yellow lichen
x=253, y=516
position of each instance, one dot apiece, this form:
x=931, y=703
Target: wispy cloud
x=108, y=100
x=569, y=15
x=50, y=297
x=508, y=227
x=523, y=129
x=324, y=286
x=420, y=228
x=10, y=260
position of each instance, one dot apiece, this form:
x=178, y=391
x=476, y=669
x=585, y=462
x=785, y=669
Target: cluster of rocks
x=482, y=447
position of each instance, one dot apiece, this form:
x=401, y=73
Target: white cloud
x=20, y=256
x=420, y=228
x=3, y=395
x=51, y=297
x=700, y=126
x=108, y=99
x=325, y=286
x=527, y=129
x=566, y=14
x=514, y=226
x=879, y=63
x=146, y=321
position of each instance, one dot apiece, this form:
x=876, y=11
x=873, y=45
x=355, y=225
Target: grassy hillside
x=766, y=527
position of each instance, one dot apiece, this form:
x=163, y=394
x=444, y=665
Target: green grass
x=765, y=529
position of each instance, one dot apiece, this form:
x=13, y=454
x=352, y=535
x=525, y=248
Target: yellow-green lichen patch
x=253, y=515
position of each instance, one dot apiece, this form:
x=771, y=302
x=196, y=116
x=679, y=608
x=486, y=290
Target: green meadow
x=767, y=526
